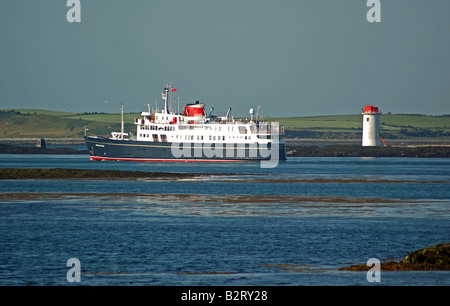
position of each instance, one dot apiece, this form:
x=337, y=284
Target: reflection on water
x=242, y=205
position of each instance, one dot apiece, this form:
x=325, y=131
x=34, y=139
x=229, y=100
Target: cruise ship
x=192, y=136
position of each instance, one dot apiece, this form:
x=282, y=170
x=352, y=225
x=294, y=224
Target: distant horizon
x=138, y=112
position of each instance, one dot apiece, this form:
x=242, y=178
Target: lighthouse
x=371, y=126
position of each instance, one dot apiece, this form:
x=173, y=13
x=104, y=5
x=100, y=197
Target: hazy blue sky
x=292, y=57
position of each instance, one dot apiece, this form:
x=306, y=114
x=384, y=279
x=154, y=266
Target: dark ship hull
x=101, y=148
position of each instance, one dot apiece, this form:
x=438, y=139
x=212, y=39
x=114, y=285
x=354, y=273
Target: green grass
x=39, y=112
x=321, y=123
x=43, y=124
x=349, y=126
x=110, y=118
x=355, y=121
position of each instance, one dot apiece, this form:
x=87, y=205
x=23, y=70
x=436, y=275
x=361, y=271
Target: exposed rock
x=58, y=173
x=432, y=258
x=435, y=255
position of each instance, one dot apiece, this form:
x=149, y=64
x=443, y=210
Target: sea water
x=296, y=224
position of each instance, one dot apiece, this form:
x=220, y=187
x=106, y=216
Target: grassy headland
x=392, y=126
x=49, y=124
x=33, y=123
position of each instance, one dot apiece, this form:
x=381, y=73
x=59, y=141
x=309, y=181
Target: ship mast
x=166, y=99
x=122, y=125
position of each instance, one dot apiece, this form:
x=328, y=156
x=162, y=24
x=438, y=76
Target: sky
x=291, y=57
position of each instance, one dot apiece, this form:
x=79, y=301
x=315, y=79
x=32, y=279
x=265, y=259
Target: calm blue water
x=223, y=230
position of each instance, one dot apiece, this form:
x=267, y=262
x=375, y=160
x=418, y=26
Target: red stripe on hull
x=168, y=160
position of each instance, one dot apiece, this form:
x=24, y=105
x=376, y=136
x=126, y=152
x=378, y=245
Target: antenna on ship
x=165, y=96
x=166, y=99
x=122, y=125
x=228, y=114
x=257, y=112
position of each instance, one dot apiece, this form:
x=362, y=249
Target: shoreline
x=60, y=173
x=333, y=150
x=428, y=151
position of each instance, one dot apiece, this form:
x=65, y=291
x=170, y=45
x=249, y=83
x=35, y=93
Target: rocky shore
x=57, y=173
x=359, y=151
x=11, y=149
x=428, y=259
x=441, y=151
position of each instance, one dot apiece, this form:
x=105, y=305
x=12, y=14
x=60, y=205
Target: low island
x=435, y=258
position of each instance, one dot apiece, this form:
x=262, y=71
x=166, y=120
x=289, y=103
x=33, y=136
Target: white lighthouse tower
x=371, y=126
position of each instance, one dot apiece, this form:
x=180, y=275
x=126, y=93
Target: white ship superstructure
x=195, y=127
